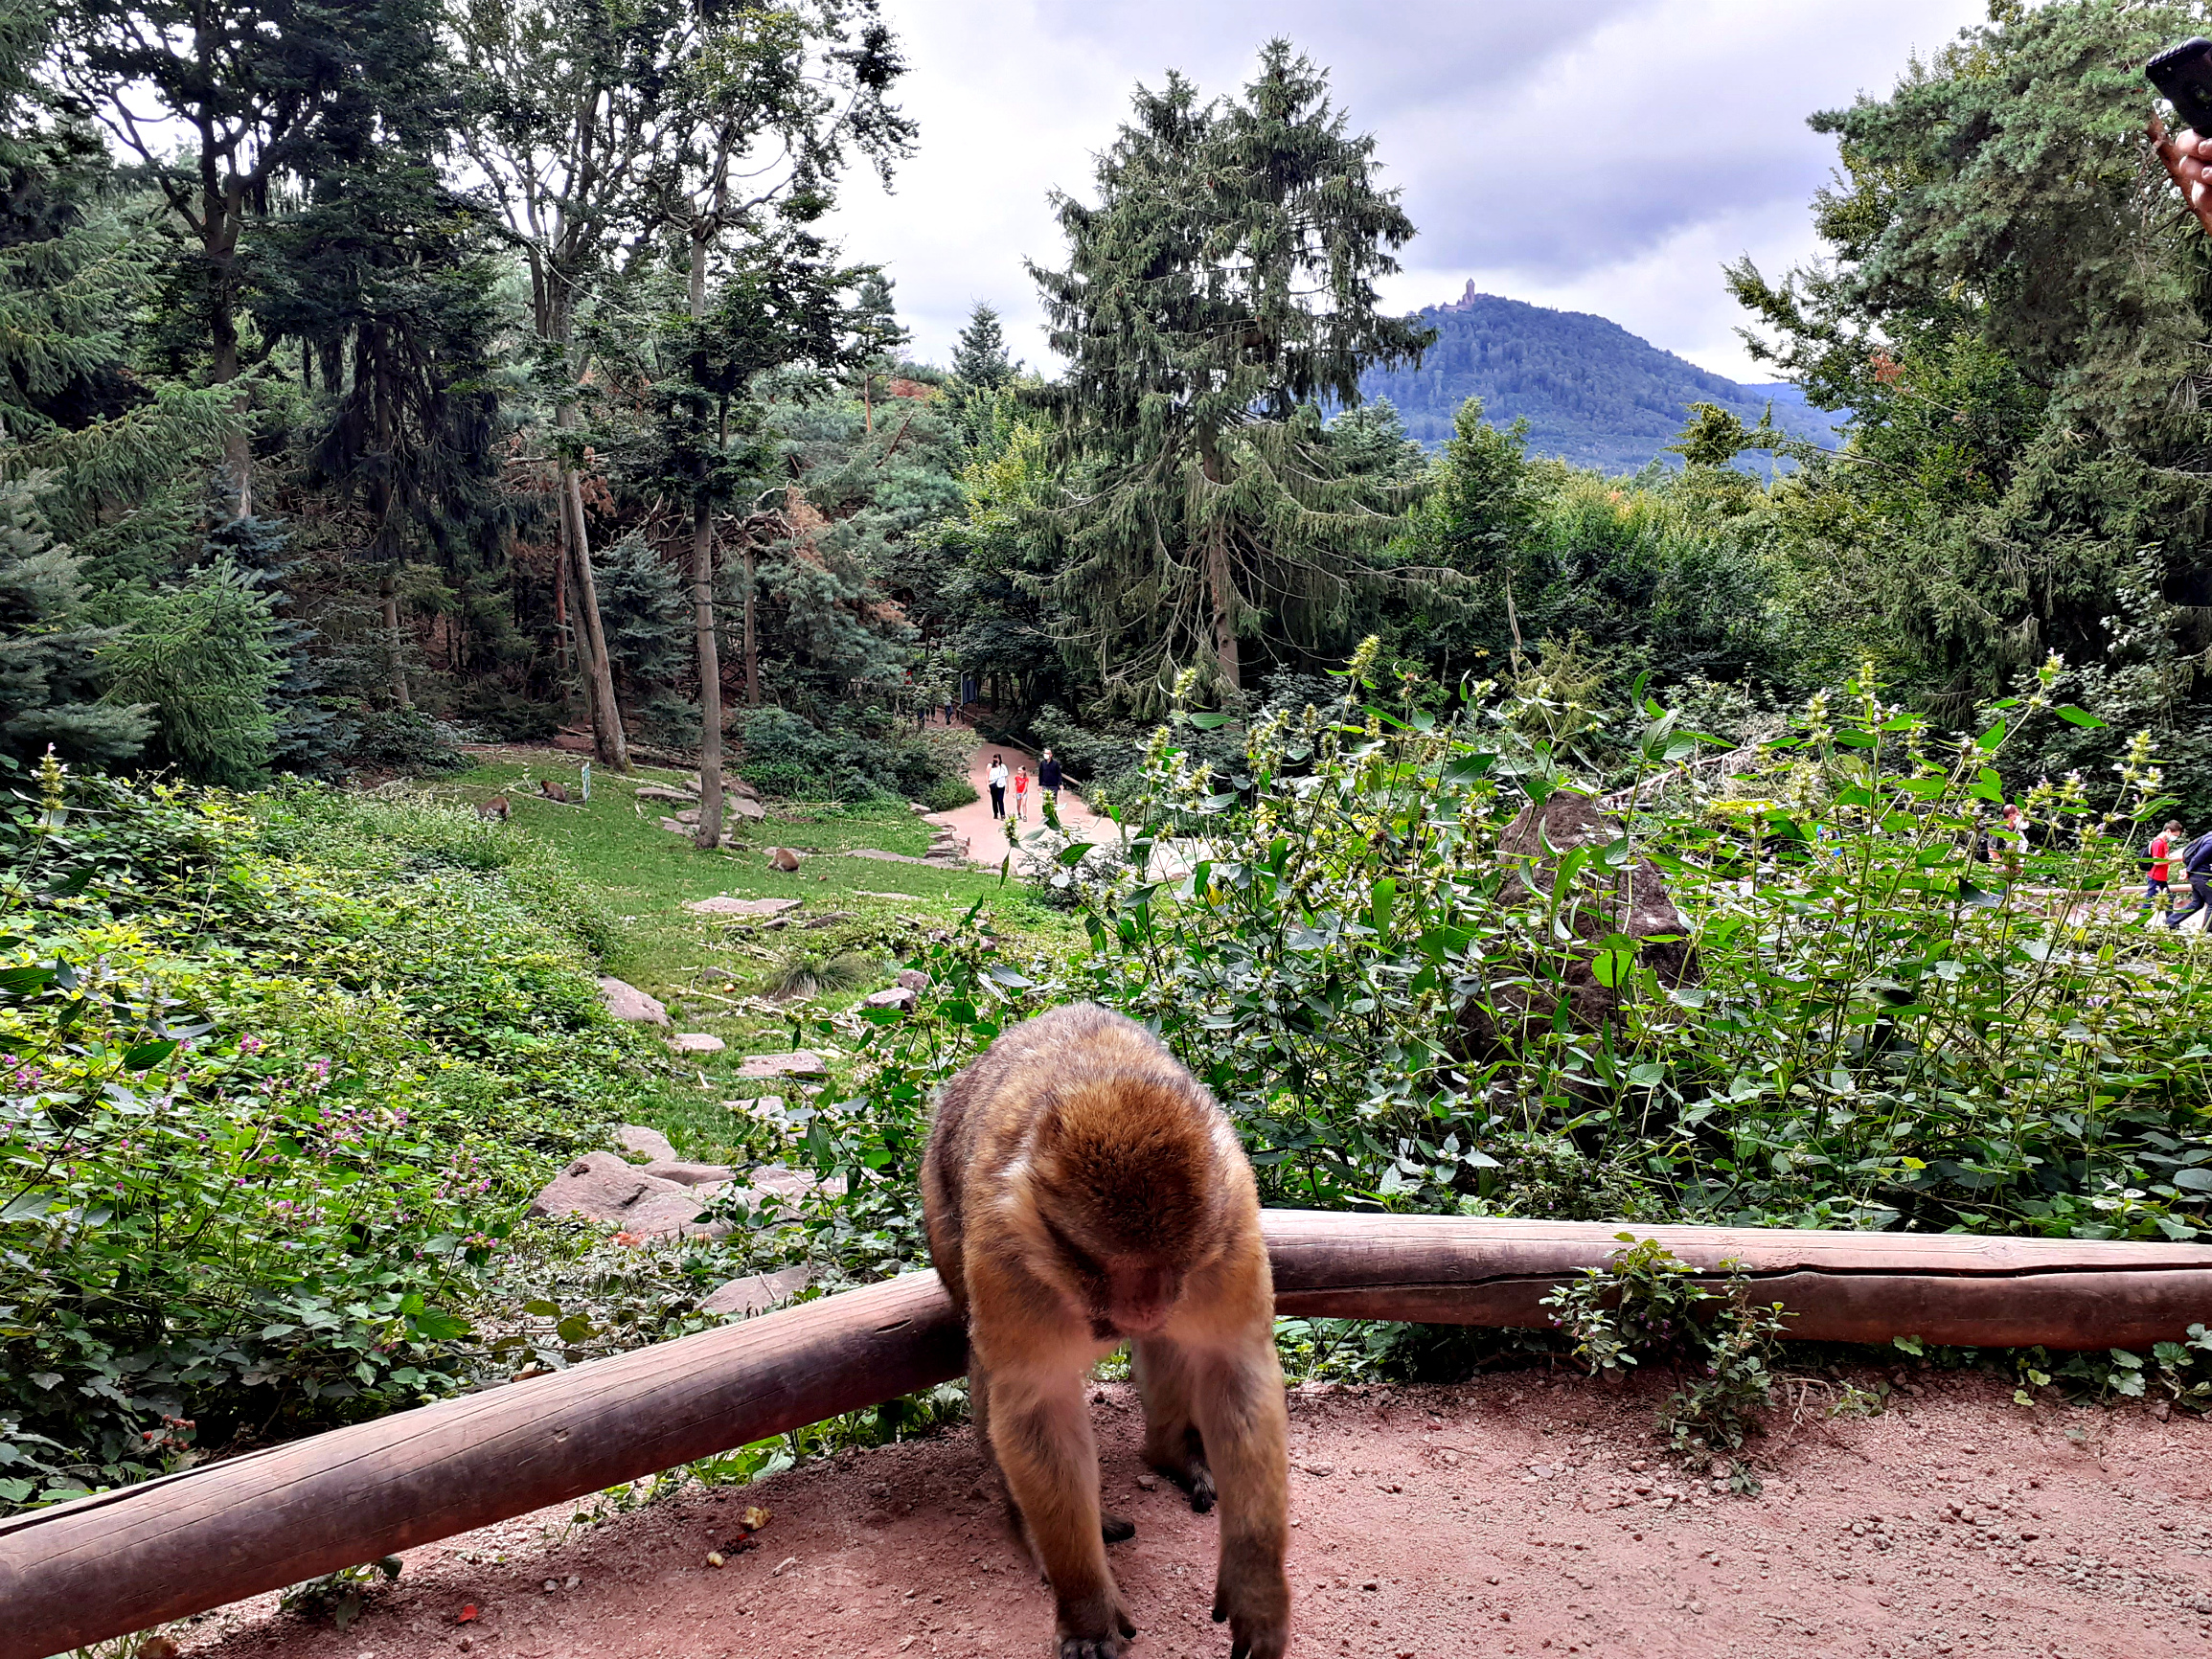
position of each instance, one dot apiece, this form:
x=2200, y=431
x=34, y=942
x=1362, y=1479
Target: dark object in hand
x=2183, y=73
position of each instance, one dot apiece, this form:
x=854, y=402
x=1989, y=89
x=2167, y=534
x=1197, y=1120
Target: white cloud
x=1607, y=157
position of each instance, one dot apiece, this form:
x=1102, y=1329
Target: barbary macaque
x=553, y=791
x=496, y=807
x=1081, y=1190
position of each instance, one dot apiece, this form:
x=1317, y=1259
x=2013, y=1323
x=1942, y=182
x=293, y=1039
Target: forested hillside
x=1593, y=393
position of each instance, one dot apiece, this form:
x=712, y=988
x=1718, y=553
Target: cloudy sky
x=1605, y=156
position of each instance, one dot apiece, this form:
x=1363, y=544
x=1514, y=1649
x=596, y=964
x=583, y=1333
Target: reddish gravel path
x=1503, y=1517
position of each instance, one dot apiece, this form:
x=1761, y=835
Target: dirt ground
x=1515, y=1514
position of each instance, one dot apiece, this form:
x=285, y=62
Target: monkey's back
x=986, y=1114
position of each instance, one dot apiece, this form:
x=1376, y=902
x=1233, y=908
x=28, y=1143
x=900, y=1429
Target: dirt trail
x=986, y=837
x=1507, y=1516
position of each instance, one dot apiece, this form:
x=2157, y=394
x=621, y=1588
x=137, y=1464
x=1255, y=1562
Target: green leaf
x=17, y=981
x=1467, y=770
x=139, y=1058
x=2196, y=1181
x=1992, y=737
x=2074, y=716
x=1383, y=897
x=1207, y=722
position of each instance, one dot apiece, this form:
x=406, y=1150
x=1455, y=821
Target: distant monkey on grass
x=1082, y=1190
x=553, y=791
x=496, y=807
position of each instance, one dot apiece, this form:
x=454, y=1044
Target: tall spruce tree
x=979, y=357
x=50, y=676
x=1222, y=287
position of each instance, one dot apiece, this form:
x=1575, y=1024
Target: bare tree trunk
x=710, y=833
x=608, y=742
x=752, y=646
x=1221, y=585
x=394, y=654
x=237, y=444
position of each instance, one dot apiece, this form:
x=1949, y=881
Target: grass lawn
x=699, y=966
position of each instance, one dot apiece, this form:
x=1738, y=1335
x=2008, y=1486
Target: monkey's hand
x=1096, y=1628
x=1254, y=1599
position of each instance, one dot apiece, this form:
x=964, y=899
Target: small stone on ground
x=756, y=1293
x=721, y=904
x=697, y=1043
x=646, y=1142
x=798, y=1064
x=626, y=1002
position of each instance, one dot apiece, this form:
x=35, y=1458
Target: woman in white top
x=997, y=777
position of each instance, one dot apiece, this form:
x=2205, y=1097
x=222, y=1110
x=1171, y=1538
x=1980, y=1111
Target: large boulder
x=1632, y=901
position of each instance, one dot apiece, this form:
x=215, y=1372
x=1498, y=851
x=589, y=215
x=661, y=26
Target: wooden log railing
x=106, y=1566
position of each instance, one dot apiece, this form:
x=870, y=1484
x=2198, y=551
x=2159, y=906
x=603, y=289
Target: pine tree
x=980, y=359
x=312, y=730
x=50, y=678
x=1223, y=287
x=203, y=656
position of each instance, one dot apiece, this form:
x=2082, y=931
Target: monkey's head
x=1131, y=1178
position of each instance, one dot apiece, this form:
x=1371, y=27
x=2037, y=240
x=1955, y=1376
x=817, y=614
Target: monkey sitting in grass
x=1081, y=1190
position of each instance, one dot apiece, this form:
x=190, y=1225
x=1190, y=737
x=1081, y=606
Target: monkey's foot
x=1195, y=1479
x=1253, y=1599
x=1118, y=1529
x=1095, y=1628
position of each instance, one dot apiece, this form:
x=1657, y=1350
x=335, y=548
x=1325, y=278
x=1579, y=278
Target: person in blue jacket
x=2196, y=866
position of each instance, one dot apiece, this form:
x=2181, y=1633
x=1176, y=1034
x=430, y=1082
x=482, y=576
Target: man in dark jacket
x=2196, y=866
x=1048, y=776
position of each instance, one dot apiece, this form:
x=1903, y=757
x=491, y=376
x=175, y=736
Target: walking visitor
x=2157, y=891
x=1048, y=777
x=997, y=780
x=2196, y=866
x=1021, y=795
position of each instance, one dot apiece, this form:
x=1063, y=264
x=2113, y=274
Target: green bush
x=405, y=740
x=276, y=1091
x=879, y=759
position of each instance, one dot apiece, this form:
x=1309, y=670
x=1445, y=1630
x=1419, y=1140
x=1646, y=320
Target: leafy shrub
x=1881, y=1029
x=1645, y=1304
x=274, y=1093
x=202, y=657
x=789, y=756
x=948, y=795
x=405, y=740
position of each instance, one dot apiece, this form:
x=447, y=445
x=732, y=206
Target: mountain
x=1591, y=392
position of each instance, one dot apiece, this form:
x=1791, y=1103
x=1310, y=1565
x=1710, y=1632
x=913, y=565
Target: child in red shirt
x=2157, y=891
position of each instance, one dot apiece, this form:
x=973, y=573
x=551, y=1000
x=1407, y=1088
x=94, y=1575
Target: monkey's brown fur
x=496, y=807
x=553, y=791
x=1082, y=1188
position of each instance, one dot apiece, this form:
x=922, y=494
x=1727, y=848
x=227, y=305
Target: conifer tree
x=979, y=359
x=1220, y=289
x=49, y=678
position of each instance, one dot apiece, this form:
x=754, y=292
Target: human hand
x=2188, y=161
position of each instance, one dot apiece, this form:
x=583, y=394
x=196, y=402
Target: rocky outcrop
x=1632, y=901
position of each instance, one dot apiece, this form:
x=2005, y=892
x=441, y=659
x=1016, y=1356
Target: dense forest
x=1593, y=393
x=374, y=379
